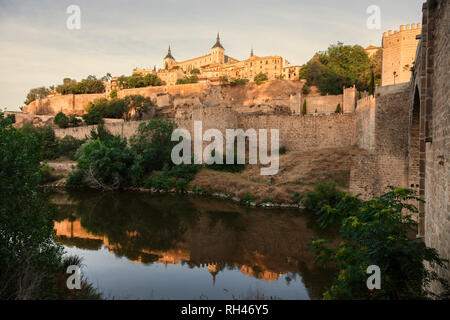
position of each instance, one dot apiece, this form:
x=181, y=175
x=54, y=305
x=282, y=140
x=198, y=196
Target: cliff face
x=277, y=96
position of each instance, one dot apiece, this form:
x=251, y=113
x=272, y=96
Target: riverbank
x=299, y=172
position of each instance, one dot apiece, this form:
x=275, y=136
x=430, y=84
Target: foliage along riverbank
x=107, y=162
x=32, y=265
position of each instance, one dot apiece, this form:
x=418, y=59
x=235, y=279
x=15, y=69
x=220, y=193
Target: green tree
x=304, y=110
x=61, y=120
x=137, y=104
x=29, y=256
x=89, y=85
x=340, y=66
x=138, y=81
x=36, y=93
x=106, y=164
x=153, y=142
x=375, y=66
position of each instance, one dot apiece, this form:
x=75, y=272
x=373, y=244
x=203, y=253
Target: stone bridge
x=429, y=127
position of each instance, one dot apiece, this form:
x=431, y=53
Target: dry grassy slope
x=298, y=172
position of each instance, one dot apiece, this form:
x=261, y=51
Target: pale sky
x=37, y=49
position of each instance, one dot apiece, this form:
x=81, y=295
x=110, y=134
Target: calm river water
x=142, y=246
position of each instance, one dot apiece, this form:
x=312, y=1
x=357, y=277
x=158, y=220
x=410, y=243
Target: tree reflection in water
x=195, y=232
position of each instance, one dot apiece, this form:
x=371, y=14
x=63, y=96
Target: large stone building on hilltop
x=216, y=66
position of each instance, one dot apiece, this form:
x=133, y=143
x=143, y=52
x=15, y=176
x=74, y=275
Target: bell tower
x=218, y=52
x=169, y=60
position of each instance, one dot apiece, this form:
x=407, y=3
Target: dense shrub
x=187, y=80
x=100, y=133
x=61, y=120
x=47, y=175
x=11, y=118
x=74, y=121
x=46, y=138
x=75, y=178
x=324, y=193
x=238, y=82
x=380, y=232
x=306, y=89
x=107, y=162
x=260, y=78
x=68, y=146
x=169, y=178
x=93, y=116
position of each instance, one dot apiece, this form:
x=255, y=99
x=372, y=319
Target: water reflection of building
x=260, y=273
x=68, y=230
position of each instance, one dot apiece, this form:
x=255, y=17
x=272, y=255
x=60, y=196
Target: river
x=142, y=246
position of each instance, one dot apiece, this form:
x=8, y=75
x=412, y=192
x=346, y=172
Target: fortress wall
x=301, y=133
x=297, y=133
x=382, y=131
x=392, y=120
x=323, y=104
x=365, y=123
x=69, y=104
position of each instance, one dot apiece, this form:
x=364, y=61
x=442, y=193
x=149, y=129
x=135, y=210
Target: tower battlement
x=399, y=51
x=408, y=27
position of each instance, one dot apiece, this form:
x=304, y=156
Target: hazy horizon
x=37, y=49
